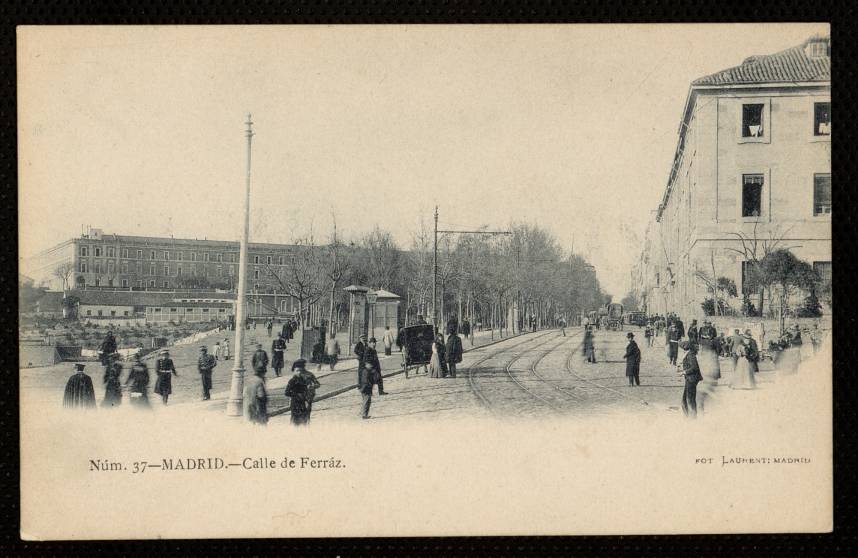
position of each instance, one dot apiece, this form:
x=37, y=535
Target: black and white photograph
x=424, y=280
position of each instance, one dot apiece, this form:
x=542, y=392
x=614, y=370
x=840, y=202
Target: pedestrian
x=633, y=361
x=692, y=332
x=562, y=324
x=360, y=353
x=164, y=367
x=708, y=348
x=680, y=327
x=255, y=398
x=400, y=339
x=743, y=377
x=205, y=365
x=648, y=334
x=278, y=348
x=752, y=352
x=673, y=338
x=284, y=330
x=467, y=331
x=224, y=351
x=371, y=359
x=332, y=349
x=112, y=382
x=365, y=380
x=691, y=372
x=311, y=382
x=589, y=345
x=269, y=326
x=108, y=347
x=453, y=352
x=79, y=392
x=436, y=364
x=139, y=380
x=387, y=340
x=259, y=361
x=735, y=342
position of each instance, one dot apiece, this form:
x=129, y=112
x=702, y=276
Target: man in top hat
x=164, y=367
x=633, y=361
x=112, y=383
x=371, y=359
x=108, y=347
x=205, y=364
x=278, y=347
x=79, y=392
x=360, y=352
x=453, y=352
x=259, y=361
x=693, y=332
x=691, y=373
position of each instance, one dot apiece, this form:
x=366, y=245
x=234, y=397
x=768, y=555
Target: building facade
x=751, y=171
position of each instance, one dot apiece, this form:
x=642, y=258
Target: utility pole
x=435, y=274
x=234, y=404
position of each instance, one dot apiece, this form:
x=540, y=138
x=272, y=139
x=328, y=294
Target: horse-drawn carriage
x=417, y=343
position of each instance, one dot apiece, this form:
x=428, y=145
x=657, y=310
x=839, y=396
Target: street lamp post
x=234, y=404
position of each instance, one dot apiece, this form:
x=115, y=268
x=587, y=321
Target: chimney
x=818, y=47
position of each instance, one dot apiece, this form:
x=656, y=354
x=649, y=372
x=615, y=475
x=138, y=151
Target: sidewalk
x=343, y=378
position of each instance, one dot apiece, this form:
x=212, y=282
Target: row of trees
x=499, y=281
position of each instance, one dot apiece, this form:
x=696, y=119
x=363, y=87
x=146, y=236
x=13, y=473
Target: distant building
x=753, y=159
x=109, y=262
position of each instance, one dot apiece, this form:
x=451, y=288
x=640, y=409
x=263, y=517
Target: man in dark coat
x=112, y=383
x=139, y=380
x=633, y=361
x=79, y=392
x=205, y=364
x=163, y=368
x=360, y=353
x=453, y=353
x=691, y=372
x=365, y=376
x=259, y=361
x=673, y=337
x=108, y=347
x=692, y=331
x=371, y=359
x=466, y=328
x=301, y=390
x=284, y=331
x=680, y=327
x=278, y=346
x=752, y=352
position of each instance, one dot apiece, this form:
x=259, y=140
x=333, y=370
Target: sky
x=140, y=130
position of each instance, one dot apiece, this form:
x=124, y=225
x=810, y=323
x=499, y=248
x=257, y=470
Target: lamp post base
x=235, y=406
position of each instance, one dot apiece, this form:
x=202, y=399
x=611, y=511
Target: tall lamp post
x=234, y=404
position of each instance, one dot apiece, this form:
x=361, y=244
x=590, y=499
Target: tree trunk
x=331, y=324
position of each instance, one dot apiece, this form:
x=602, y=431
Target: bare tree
x=753, y=248
x=63, y=272
x=337, y=267
x=303, y=276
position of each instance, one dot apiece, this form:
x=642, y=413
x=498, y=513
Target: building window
x=125, y=253
x=231, y=270
x=269, y=260
x=219, y=258
x=97, y=252
x=220, y=271
x=180, y=256
x=166, y=270
x=111, y=252
x=178, y=270
x=280, y=260
x=193, y=256
x=193, y=269
x=206, y=257
x=152, y=270
x=752, y=195
x=113, y=313
x=166, y=284
x=139, y=268
x=125, y=313
x=166, y=255
x=232, y=258
x=139, y=254
x=110, y=268
x=125, y=283
x=98, y=268
x=100, y=313
x=140, y=284
x=821, y=194
x=84, y=251
x=752, y=121
x=823, y=271
x=152, y=255
x=124, y=267
x=256, y=274
x=821, y=119
x=89, y=312
x=83, y=266
x=152, y=283
x=256, y=260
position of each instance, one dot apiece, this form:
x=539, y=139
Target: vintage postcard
x=388, y=281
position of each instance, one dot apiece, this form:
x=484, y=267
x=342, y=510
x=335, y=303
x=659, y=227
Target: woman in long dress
x=436, y=364
x=112, y=383
x=743, y=375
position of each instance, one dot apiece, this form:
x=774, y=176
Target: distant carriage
x=614, y=316
x=635, y=318
x=593, y=317
x=417, y=345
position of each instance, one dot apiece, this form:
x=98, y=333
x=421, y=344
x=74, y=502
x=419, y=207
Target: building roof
x=139, y=298
x=800, y=63
x=387, y=295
